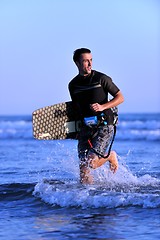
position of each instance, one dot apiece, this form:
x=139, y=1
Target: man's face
x=85, y=64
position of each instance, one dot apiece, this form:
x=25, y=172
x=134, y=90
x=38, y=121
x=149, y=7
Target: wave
x=138, y=192
x=130, y=127
x=122, y=189
x=15, y=191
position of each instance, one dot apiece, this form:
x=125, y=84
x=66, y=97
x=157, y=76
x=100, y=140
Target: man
x=89, y=92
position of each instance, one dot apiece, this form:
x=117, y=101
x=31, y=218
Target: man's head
x=83, y=59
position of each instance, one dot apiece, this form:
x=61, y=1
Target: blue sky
x=38, y=38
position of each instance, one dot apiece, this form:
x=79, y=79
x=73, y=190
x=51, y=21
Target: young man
x=89, y=92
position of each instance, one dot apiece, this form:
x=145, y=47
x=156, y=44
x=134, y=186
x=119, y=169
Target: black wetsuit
x=93, y=88
x=84, y=91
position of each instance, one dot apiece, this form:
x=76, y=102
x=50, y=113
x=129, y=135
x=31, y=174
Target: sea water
x=40, y=193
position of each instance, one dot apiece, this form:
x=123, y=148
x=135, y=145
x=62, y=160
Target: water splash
x=109, y=191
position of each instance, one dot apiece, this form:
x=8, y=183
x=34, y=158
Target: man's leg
x=100, y=143
x=96, y=161
x=83, y=148
x=85, y=175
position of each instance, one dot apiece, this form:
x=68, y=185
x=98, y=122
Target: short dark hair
x=77, y=53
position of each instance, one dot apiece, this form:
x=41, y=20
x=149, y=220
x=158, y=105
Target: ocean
x=41, y=197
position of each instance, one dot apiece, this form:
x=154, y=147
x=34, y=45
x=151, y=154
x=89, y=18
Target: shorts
x=100, y=138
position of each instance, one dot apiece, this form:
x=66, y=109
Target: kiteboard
x=58, y=121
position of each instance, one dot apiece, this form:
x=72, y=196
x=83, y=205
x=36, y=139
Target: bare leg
x=85, y=176
x=113, y=161
x=96, y=162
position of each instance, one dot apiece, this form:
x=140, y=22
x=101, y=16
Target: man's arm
x=118, y=99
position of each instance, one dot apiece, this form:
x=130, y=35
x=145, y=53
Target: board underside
x=55, y=122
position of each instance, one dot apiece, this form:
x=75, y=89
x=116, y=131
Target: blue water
x=40, y=193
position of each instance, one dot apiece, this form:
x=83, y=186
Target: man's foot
x=96, y=162
x=113, y=161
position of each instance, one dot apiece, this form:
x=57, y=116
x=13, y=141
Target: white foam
x=110, y=191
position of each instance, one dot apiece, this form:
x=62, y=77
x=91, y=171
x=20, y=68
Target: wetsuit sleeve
x=108, y=85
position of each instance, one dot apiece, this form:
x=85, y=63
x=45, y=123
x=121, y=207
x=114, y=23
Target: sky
x=38, y=37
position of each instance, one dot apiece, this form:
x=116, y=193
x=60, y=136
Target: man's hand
x=97, y=107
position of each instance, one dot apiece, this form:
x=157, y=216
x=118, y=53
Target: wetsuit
x=86, y=90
